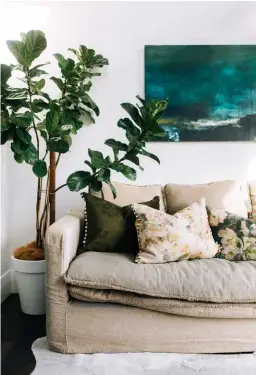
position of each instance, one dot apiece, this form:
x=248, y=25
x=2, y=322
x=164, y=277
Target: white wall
x=119, y=31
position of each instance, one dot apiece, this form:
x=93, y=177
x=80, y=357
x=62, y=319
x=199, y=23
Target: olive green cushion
x=109, y=227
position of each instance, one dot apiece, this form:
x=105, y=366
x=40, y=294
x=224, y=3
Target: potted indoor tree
x=39, y=126
x=53, y=121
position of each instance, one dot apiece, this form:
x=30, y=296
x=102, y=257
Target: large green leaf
x=23, y=135
x=90, y=165
x=40, y=168
x=128, y=125
x=58, y=82
x=134, y=113
x=22, y=119
x=128, y=172
x=6, y=72
x=113, y=189
x=16, y=93
x=58, y=145
x=18, y=146
x=78, y=180
x=87, y=100
x=6, y=135
x=89, y=59
x=96, y=185
x=61, y=60
x=39, y=85
x=68, y=69
x=32, y=45
x=19, y=158
x=18, y=49
x=152, y=156
x=52, y=122
x=39, y=105
x=35, y=42
x=97, y=159
x=116, y=144
x=156, y=108
x=31, y=154
x=134, y=159
x=104, y=175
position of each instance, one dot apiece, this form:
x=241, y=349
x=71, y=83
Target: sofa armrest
x=61, y=242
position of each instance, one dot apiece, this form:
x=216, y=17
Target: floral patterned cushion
x=166, y=238
x=235, y=235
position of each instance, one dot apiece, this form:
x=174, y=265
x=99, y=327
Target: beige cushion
x=214, y=280
x=167, y=238
x=252, y=190
x=226, y=195
x=128, y=194
x=166, y=305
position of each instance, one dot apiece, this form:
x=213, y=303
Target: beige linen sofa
x=104, y=302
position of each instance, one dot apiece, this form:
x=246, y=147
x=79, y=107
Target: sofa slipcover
x=207, y=280
x=82, y=327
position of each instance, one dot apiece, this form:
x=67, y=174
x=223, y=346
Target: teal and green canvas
x=211, y=91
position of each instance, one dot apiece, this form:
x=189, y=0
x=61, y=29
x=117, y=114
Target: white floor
x=50, y=363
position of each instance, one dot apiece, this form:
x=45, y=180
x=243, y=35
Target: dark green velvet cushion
x=109, y=227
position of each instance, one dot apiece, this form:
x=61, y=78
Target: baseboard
x=14, y=288
x=6, y=285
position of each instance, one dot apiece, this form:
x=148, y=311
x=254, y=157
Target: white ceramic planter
x=30, y=278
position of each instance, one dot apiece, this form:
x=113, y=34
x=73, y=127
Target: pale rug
x=50, y=363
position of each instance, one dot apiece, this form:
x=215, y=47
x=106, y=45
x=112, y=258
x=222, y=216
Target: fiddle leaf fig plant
x=141, y=127
x=36, y=123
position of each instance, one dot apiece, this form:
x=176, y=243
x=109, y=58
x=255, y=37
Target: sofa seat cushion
x=209, y=280
x=166, y=305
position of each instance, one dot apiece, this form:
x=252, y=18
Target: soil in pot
x=29, y=252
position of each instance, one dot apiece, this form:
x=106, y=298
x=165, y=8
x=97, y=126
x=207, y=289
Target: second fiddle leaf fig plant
x=141, y=127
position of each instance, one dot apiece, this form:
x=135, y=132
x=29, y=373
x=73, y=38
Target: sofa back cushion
x=252, y=191
x=226, y=195
x=128, y=194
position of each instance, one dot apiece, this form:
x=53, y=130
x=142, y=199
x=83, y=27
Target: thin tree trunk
x=38, y=206
x=52, y=187
x=45, y=216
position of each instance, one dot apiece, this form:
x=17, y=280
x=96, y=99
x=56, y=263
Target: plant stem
x=60, y=187
x=58, y=159
x=38, y=206
x=52, y=186
x=46, y=152
x=39, y=180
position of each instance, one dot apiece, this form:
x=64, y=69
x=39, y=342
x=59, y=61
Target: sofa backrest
x=227, y=195
x=128, y=194
x=233, y=196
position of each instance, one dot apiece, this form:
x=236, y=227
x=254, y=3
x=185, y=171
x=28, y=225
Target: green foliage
x=139, y=129
x=40, y=168
x=29, y=109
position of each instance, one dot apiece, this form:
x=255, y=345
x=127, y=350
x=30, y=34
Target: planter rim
x=28, y=261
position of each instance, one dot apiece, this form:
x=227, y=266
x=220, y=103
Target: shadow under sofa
x=76, y=325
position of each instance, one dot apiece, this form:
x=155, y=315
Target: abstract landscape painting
x=211, y=91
